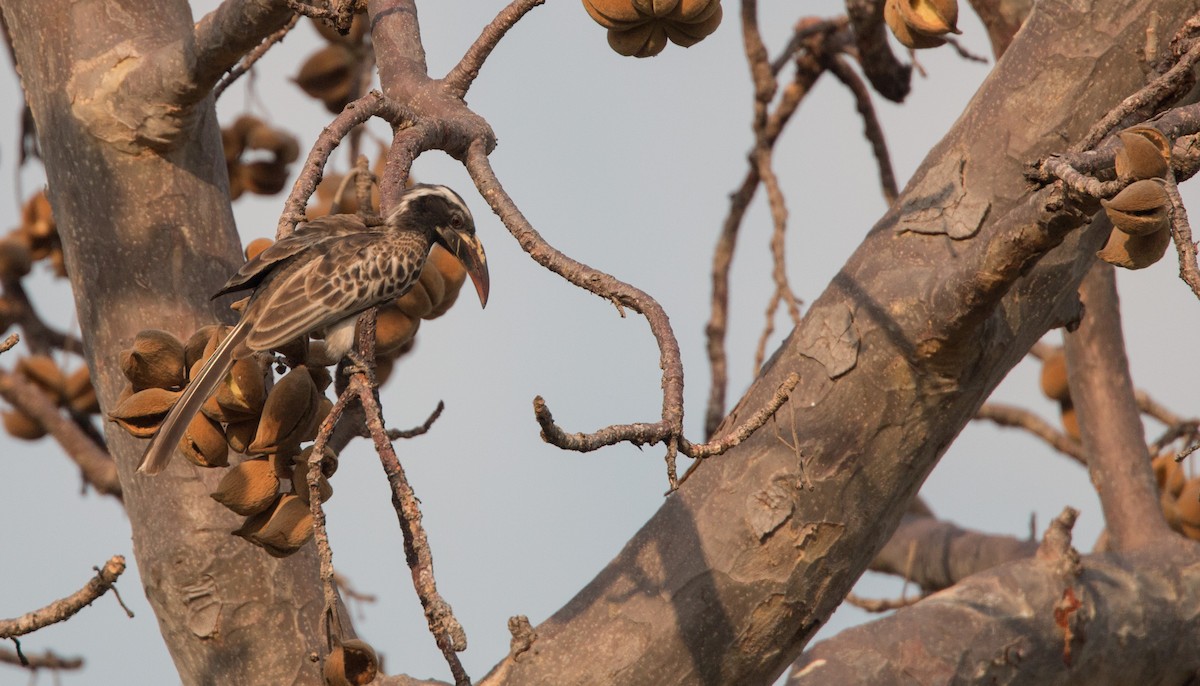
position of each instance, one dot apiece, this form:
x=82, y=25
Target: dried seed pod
x=37, y=217
x=351, y=663
x=141, y=413
x=281, y=143
x=1069, y=421
x=930, y=17
x=20, y=425
x=321, y=377
x=1168, y=474
x=256, y=246
x=416, y=302
x=300, y=484
x=233, y=144
x=894, y=16
x=329, y=463
x=288, y=410
x=282, y=529
x=688, y=34
x=393, y=328
x=1188, y=504
x=615, y=14
x=1141, y=208
x=204, y=443
x=320, y=411
x=1054, y=376
x=655, y=8
x=43, y=372
x=1158, y=138
x=1170, y=510
x=80, y=393
x=385, y=365
x=435, y=286
x=16, y=260
x=453, y=275
x=329, y=76
x=358, y=29
x=1135, y=252
x=1139, y=157
x=265, y=177
x=201, y=344
x=643, y=40
x=244, y=391
x=249, y=488
x=156, y=360
x=239, y=435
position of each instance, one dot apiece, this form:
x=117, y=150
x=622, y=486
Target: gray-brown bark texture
x=739, y=568
x=138, y=185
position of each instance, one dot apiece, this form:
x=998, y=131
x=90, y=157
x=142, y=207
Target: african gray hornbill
x=319, y=279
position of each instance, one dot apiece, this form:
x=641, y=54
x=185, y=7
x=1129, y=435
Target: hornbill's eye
x=456, y=221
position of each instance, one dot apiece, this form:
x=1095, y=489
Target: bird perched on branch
x=319, y=279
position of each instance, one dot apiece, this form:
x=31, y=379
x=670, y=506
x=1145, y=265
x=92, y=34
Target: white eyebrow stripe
x=426, y=191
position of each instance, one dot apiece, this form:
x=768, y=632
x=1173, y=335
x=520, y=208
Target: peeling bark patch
x=769, y=508
x=950, y=210
x=1064, y=612
x=829, y=337
x=203, y=608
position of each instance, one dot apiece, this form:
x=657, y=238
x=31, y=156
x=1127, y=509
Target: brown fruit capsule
x=288, y=526
x=393, y=328
x=204, y=443
x=1170, y=511
x=37, y=218
x=249, y=488
x=1139, y=158
x=1134, y=252
x=320, y=411
x=155, y=361
x=265, y=177
x=1188, y=504
x=688, y=34
x=894, y=16
x=328, y=75
x=453, y=275
x=20, y=425
x=644, y=40
x=201, y=344
x=300, y=484
x=351, y=663
x=240, y=435
x=1141, y=208
x=80, y=393
x=1156, y=137
x=417, y=302
x=929, y=17
x=256, y=246
x=384, y=367
x=44, y=373
x=1168, y=474
x=281, y=143
x=655, y=8
x=329, y=463
x=242, y=395
x=141, y=413
x=433, y=283
x=16, y=260
x=1054, y=376
x=1069, y=421
x=614, y=14
x=288, y=409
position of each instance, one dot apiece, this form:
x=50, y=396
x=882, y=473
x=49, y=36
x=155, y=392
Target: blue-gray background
x=626, y=165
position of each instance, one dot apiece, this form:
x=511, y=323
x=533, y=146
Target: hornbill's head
x=442, y=212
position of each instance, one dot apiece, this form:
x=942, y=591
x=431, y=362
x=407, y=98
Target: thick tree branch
x=1109, y=419
x=936, y=554
x=227, y=34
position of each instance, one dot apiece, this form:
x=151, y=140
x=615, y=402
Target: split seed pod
x=1139, y=157
x=154, y=361
x=240, y=435
x=393, y=328
x=328, y=75
x=202, y=343
x=141, y=413
x=281, y=530
x=204, y=444
x=329, y=463
x=1054, y=376
x=614, y=14
x=1141, y=208
x=256, y=246
x=643, y=40
x=688, y=34
x=16, y=260
x=453, y=275
x=243, y=393
x=1135, y=252
x=919, y=24
x=248, y=488
x=351, y=663
x=288, y=410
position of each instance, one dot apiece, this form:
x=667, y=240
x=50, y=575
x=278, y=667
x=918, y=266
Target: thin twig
x=871, y=127
x=963, y=52
x=397, y=434
x=460, y=78
x=1020, y=418
x=742, y=432
x=65, y=608
x=9, y=342
x=1181, y=232
x=882, y=604
x=253, y=56
x=46, y=660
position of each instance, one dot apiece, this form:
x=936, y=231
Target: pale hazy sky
x=626, y=165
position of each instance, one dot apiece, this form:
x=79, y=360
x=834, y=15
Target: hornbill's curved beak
x=467, y=248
